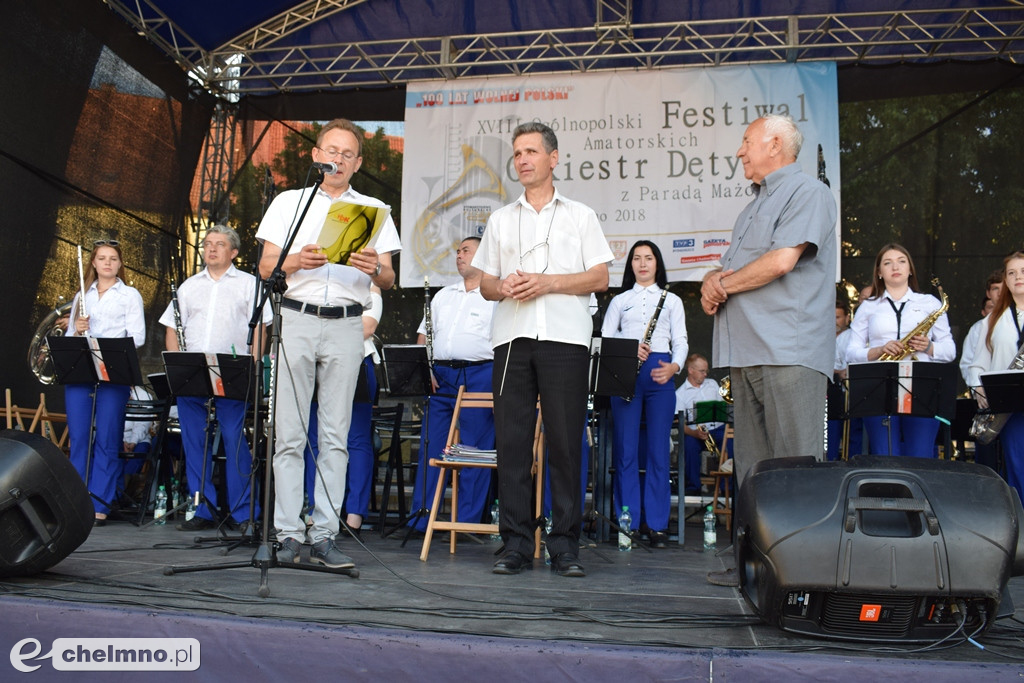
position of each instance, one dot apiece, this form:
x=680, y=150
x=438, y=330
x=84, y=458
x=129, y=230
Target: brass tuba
x=38, y=352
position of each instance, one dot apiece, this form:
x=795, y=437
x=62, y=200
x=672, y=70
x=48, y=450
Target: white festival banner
x=653, y=153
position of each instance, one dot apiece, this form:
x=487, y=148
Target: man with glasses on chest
x=541, y=257
x=321, y=341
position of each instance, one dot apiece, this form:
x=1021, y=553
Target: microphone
x=326, y=167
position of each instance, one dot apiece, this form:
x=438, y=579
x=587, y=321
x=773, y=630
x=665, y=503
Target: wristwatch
x=376, y=271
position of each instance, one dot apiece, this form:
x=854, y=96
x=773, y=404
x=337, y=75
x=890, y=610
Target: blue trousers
x=656, y=403
x=913, y=436
x=237, y=456
x=101, y=474
x=835, y=438
x=361, y=457
x=1012, y=438
x=476, y=428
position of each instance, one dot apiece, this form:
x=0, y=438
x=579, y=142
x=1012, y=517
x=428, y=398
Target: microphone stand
x=273, y=290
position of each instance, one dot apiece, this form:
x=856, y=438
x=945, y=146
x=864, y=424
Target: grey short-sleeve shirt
x=789, y=321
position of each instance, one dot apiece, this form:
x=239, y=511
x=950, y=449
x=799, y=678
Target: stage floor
x=657, y=601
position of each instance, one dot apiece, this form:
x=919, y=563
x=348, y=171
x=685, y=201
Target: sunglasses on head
x=106, y=243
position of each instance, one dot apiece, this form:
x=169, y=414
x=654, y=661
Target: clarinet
x=178, y=329
x=428, y=324
x=649, y=332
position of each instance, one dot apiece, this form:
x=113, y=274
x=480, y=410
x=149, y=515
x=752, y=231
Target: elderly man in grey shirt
x=772, y=301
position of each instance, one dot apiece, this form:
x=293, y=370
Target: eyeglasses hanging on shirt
x=535, y=249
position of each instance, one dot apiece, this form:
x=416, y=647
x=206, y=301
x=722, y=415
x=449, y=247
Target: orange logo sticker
x=870, y=612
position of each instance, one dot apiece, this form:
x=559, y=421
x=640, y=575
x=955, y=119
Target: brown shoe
x=730, y=578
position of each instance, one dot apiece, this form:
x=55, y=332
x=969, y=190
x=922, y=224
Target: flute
x=81, y=288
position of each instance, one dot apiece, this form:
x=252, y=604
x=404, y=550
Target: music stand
x=613, y=370
x=836, y=394
x=613, y=366
x=887, y=388
x=91, y=360
x=208, y=376
x=406, y=370
x=1004, y=390
x=711, y=411
x=407, y=373
x=75, y=360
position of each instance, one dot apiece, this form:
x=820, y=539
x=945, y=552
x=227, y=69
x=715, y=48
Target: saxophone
x=179, y=331
x=986, y=426
x=922, y=327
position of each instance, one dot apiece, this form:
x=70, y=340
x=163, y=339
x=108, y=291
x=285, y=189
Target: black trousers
x=557, y=372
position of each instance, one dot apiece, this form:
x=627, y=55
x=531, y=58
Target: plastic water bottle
x=190, y=509
x=625, y=522
x=175, y=494
x=547, y=534
x=160, y=509
x=710, y=534
x=495, y=519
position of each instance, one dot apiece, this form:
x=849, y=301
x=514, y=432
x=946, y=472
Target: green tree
x=292, y=163
x=247, y=206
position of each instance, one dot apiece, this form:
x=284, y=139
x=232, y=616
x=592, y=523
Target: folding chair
x=722, y=476
x=466, y=399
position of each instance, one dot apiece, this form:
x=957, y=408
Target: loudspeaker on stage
x=45, y=508
x=877, y=548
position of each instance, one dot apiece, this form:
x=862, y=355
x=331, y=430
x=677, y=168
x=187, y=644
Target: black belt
x=323, y=311
x=459, y=364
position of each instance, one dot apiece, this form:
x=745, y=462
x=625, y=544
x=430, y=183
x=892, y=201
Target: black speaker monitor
x=877, y=548
x=45, y=508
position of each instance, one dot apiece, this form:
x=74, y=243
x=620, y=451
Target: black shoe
x=197, y=523
x=241, y=527
x=512, y=562
x=99, y=521
x=565, y=564
x=659, y=539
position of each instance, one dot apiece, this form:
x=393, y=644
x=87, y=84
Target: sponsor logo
x=703, y=258
x=619, y=248
x=715, y=242
x=684, y=245
x=476, y=215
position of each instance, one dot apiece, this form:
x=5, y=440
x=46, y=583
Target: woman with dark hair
x=630, y=315
x=996, y=351
x=894, y=308
x=114, y=310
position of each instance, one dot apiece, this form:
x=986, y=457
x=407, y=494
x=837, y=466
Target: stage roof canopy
x=236, y=48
